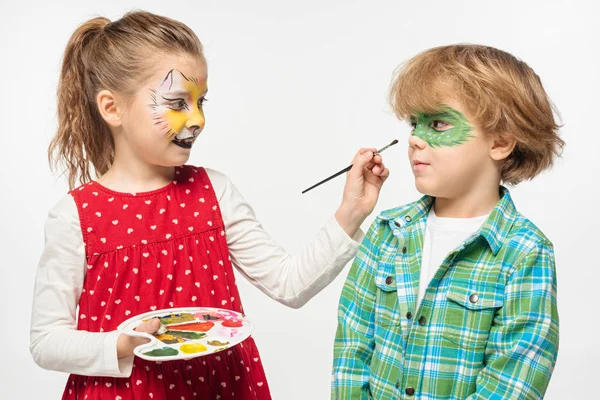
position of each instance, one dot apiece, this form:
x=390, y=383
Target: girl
x=153, y=233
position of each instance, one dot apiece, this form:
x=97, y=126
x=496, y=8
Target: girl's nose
x=196, y=118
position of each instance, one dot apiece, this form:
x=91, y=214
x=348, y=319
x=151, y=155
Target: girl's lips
x=184, y=143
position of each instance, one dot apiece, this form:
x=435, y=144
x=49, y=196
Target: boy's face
x=449, y=155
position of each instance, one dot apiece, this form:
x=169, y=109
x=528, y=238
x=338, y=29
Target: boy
x=454, y=296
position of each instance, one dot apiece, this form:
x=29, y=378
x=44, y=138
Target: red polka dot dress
x=161, y=249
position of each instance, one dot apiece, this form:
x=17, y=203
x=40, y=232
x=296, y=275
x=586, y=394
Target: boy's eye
x=440, y=125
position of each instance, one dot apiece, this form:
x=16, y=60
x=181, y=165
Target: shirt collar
x=494, y=230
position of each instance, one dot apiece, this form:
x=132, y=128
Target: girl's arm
x=294, y=279
x=55, y=342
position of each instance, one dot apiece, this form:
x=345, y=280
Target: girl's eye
x=177, y=105
x=440, y=125
x=201, y=101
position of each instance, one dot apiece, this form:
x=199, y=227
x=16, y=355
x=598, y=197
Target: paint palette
x=188, y=332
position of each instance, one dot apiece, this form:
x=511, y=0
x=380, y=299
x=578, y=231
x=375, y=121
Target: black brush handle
x=348, y=168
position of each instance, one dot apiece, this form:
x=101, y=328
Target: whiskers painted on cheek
x=164, y=126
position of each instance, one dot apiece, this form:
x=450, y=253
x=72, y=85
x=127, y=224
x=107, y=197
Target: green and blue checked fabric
x=487, y=327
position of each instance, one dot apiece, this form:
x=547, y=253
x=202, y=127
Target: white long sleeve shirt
x=289, y=279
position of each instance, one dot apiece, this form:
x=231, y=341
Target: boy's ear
x=502, y=145
x=107, y=106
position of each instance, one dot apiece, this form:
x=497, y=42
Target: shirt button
x=409, y=390
x=422, y=320
x=389, y=280
x=398, y=224
x=408, y=315
x=404, y=250
x=473, y=298
x=408, y=218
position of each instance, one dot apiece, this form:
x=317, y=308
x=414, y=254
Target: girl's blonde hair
x=502, y=93
x=115, y=56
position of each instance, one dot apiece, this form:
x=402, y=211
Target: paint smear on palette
x=193, y=348
x=176, y=318
x=169, y=338
x=164, y=352
x=194, y=326
x=233, y=323
x=217, y=343
x=205, y=316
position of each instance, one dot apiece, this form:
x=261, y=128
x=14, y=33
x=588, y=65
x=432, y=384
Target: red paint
x=233, y=323
x=194, y=326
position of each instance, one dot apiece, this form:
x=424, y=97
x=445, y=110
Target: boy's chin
x=426, y=189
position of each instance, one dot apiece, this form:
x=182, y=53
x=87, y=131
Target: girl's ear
x=501, y=146
x=107, y=106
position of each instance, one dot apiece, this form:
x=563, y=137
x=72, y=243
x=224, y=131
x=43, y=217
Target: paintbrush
x=348, y=167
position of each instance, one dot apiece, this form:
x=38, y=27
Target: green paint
x=164, y=352
x=187, y=335
x=457, y=133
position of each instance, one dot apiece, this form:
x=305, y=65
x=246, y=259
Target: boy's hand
x=363, y=184
x=126, y=343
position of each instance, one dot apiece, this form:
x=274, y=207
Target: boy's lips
x=419, y=162
x=418, y=165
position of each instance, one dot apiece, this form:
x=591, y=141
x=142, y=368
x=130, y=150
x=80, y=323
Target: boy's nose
x=416, y=142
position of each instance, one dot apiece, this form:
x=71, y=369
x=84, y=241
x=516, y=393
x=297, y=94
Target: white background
x=295, y=89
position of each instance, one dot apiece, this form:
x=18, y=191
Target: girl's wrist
x=125, y=346
x=349, y=219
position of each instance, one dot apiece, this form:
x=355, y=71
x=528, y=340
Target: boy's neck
x=467, y=205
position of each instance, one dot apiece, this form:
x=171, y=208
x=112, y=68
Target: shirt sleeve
x=55, y=342
x=289, y=279
x=354, y=343
x=523, y=343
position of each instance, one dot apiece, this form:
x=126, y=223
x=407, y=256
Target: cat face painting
x=177, y=108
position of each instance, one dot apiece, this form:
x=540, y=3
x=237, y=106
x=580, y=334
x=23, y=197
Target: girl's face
x=165, y=117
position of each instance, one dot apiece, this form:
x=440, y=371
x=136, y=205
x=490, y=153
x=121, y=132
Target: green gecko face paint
x=447, y=128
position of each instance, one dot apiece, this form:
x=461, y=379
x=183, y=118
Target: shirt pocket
x=387, y=311
x=470, y=311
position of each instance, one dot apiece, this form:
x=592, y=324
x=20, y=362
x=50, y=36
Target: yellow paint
x=178, y=119
x=193, y=348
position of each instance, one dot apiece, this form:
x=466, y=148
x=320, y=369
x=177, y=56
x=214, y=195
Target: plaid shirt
x=487, y=327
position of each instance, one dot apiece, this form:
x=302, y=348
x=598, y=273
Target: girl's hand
x=126, y=343
x=363, y=184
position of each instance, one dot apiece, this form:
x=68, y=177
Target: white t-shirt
x=442, y=235
x=289, y=279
